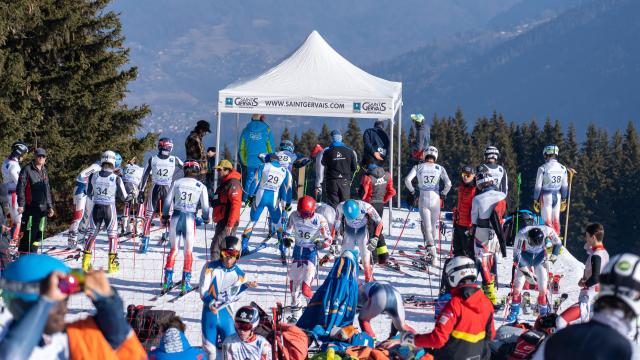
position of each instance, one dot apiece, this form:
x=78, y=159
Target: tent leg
x=399, y=156
x=235, y=158
x=391, y=173
x=219, y=115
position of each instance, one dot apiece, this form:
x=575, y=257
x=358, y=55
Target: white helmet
x=431, y=151
x=460, y=268
x=621, y=278
x=551, y=150
x=491, y=152
x=483, y=176
x=108, y=157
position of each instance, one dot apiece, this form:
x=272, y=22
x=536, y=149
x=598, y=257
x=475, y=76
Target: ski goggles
x=467, y=174
x=244, y=326
x=230, y=253
x=306, y=214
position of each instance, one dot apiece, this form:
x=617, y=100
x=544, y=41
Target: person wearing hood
x=195, y=148
x=340, y=165
x=36, y=288
x=174, y=344
x=376, y=144
x=465, y=326
x=256, y=139
x=226, y=203
x=377, y=185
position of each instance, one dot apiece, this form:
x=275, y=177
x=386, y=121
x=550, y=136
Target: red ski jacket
x=229, y=199
x=462, y=212
x=464, y=327
x=377, y=186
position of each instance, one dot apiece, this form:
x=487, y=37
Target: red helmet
x=306, y=207
x=316, y=150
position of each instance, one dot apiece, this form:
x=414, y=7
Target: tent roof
x=314, y=72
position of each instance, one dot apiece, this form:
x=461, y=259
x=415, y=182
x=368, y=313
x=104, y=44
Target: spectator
x=316, y=154
x=462, y=240
x=340, y=164
x=195, y=147
x=211, y=164
x=226, y=204
x=34, y=201
x=174, y=343
x=256, y=139
x=37, y=329
x=376, y=144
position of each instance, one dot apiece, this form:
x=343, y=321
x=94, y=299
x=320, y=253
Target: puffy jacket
x=256, y=139
x=464, y=327
x=378, y=186
x=375, y=140
x=33, y=187
x=227, y=200
x=462, y=212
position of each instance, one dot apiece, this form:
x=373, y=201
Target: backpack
x=145, y=322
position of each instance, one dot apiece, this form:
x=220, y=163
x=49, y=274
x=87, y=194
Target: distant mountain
x=580, y=66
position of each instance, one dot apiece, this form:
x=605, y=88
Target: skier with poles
x=550, y=192
x=103, y=188
x=10, y=175
x=597, y=259
x=491, y=154
x=530, y=253
x=221, y=284
x=185, y=194
x=309, y=232
x=160, y=168
x=131, y=177
x=434, y=185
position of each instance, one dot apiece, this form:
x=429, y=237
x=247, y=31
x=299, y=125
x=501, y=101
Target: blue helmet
x=351, y=209
x=118, y=160
x=29, y=270
x=286, y=145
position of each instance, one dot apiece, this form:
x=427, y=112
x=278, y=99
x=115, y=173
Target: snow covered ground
x=140, y=276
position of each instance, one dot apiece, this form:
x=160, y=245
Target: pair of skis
x=175, y=285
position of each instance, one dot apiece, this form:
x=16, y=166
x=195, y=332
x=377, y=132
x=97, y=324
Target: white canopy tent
x=315, y=81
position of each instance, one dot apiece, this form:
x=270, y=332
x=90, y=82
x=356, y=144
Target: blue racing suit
x=256, y=138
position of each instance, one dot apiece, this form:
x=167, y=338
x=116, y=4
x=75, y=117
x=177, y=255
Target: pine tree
x=308, y=141
x=226, y=153
x=353, y=137
x=629, y=183
x=324, y=139
x=286, y=135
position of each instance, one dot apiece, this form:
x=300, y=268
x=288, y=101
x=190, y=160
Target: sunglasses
x=42, y=156
x=230, y=253
x=245, y=326
x=466, y=174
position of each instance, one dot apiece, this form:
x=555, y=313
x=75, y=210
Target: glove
x=553, y=258
x=536, y=206
x=563, y=205
x=287, y=207
x=141, y=198
x=206, y=219
x=407, y=338
x=334, y=250
x=250, y=200
x=165, y=220
x=128, y=198
x=373, y=244
x=319, y=190
x=411, y=199
x=288, y=241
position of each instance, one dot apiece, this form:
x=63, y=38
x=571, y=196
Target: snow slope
x=140, y=276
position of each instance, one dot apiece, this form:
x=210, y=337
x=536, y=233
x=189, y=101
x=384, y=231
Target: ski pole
x=402, y=231
x=206, y=247
x=29, y=225
x=516, y=265
x=41, y=227
x=566, y=218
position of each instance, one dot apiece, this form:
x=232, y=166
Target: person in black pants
x=340, y=164
x=34, y=201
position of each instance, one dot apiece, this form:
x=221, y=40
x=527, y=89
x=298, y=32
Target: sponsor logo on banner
x=228, y=102
x=374, y=107
x=245, y=102
x=356, y=107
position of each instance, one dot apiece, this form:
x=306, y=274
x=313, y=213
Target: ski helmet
x=29, y=270
x=351, y=209
x=418, y=118
x=118, y=160
x=620, y=278
x=460, y=268
x=286, y=145
x=19, y=148
x=468, y=169
x=108, y=157
x=165, y=144
x=306, y=207
x=191, y=168
x=431, y=151
x=491, y=152
x=247, y=318
x=484, y=177
x=551, y=150
x=231, y=246
x=535, y=236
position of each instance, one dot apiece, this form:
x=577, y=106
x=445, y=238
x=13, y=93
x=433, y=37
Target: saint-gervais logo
x=228, y=102
x=374, y=106
x=356, y=107
x=245, y=101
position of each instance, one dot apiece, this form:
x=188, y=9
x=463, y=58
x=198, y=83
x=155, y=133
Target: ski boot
x=144, y=246
x=114, y=265
x=245, y=245
x=86, y=261
x=199, y=220
x=283, y=252
x=543, y=309
x=164, y=238
x=167, y=284
x=72, y=239
x=431, y=256
x=512, y=318
x=490, y=291
x=185, y=287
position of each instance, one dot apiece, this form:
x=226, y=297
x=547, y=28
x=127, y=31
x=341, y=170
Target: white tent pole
x=215, y=181
x=391, y=173
x=399, y=155
x=235, y=161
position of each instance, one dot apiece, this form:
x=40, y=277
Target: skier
x=245, y=343
x=80, y=203
x=256, y=139
x=377, y=185
x=491, y=154
x=10, y=175
x=131, y=177
x=340, y=166
x=355, y=214
x=103, y=188
x=268, y=189
x=530, y=253
x=462, y=241
x=160, y=168
x=464, y=328
x=309, y=232
x=421, y=140
x=185, y=194
x=434, y=185
x=550, y=192
x=597, y=259
x=221, y=284
x=380, y=297
x=484, y=230
x=608, y=334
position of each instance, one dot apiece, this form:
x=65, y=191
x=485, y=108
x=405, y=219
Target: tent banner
x=305, y=106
